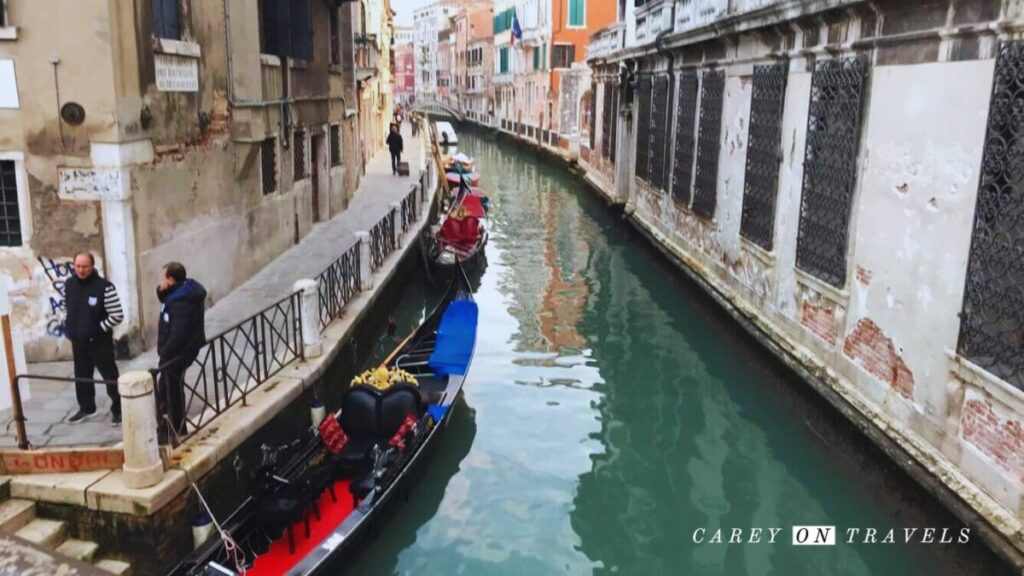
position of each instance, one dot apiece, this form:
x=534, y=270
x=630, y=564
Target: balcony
x=653, y=19
x=506, y=78
x=693, y=14
x=607, y=41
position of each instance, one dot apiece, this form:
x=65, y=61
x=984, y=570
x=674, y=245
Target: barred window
x=686, y=123
x=335, y=145
x=299, y=155
x=992, y=320
x=830, y=167
x=764, y=154
x=705, y=184
x=606, y=119
x=10, y=218
x=643, y=127
x=286, y=29
x=660, y=120
x=268, y=161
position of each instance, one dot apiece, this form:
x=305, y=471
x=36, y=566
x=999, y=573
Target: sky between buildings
x=404, y=9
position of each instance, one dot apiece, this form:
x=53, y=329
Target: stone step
x=83, y=550
x=42, y=532
x=15, y=514
x=115, y=567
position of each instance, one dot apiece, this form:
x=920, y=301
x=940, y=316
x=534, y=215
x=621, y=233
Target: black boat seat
x=370, y=417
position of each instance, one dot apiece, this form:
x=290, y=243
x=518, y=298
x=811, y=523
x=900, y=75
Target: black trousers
x=170, y=394
x=90, y=356
x=396, y=159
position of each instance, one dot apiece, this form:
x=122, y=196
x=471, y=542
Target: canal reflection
x=616, y=410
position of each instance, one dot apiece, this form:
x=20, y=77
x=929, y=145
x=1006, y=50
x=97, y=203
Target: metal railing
x=338, y=284
x=235, y=362
x=382, y=240
x=409, y=210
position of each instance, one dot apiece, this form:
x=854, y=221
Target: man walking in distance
x=93, y=309
x=181, y=336
x=395, y=145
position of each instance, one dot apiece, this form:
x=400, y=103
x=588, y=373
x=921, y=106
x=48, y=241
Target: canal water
x=614, y=415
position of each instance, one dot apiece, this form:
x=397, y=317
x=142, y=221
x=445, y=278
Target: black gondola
x=335, y=480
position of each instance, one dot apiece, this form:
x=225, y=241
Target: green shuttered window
x=577, y=12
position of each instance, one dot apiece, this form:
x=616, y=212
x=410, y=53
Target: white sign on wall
x=176, y=73
x=8, y=85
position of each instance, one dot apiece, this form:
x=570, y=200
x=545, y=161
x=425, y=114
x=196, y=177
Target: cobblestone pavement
x=52, y=403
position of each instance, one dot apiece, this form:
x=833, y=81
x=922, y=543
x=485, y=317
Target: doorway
x=316, y=148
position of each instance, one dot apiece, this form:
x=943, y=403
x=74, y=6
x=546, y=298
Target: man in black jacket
x=93, y=309
x=395, y=145
x=182, y=334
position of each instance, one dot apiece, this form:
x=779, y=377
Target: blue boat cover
x=437, y=412
x=456, y=337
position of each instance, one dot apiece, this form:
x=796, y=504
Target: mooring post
x=142, y=464
x=309, y=299
x=396, y=212
x=365, y=268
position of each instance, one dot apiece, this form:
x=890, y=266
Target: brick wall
x=821, y=321
x=870, y=349
x=999, y=439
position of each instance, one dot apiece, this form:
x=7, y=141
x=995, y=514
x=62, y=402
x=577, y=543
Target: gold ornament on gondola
x=383, y=378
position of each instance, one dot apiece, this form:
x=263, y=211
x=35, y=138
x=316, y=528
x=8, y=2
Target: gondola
x=463, y=232
x=320, y=493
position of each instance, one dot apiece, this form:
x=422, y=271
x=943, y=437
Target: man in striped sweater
x=93, y=309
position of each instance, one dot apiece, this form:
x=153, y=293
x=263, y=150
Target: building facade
x=374, y=60
x=428, y=22
x=522, y=78
x=405, y=74
x=478, y=102
x=160, y=135
x=840, y=174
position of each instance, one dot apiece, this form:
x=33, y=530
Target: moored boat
x=463, y=233
x=322, y=491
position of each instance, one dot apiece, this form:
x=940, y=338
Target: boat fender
x=202, y=528
x=317, y=412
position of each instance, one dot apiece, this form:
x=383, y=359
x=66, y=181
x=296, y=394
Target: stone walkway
x=52, y=403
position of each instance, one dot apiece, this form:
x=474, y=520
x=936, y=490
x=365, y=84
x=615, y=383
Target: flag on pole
x=517, y=32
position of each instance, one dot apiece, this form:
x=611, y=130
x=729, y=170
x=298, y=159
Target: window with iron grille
x=592, y=124
x=335, y=35
x=686, y=122
x=764, y=154
x=335, y=145
x=615, y=122
x=166, y=19
x=268, y=162
x=643, y=127
x=992, y=319
x=830, y=167
x=705, y=184
x=606, y=118
x=10, y=218
x=299, y=154
x=659, y=133
x=563, y=55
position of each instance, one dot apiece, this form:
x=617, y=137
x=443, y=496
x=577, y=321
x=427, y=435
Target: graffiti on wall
x=57, y=274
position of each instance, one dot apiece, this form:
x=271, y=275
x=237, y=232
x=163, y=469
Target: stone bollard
x=365, y=271
x=310, y=302
x=396, y=209
x=142, y=464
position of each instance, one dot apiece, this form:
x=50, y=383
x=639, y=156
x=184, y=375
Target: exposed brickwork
x=1001, y=440
x=874, y=352
x=820, y=321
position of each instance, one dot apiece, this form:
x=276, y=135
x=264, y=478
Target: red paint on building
x=870, y=349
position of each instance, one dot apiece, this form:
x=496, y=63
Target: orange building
x=572, y=23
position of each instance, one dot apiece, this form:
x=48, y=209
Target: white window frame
x=24, y=208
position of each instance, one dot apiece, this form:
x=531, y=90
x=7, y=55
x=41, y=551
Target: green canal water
x=613, y=411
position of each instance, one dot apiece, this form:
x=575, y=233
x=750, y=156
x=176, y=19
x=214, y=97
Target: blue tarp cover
x=455, y=339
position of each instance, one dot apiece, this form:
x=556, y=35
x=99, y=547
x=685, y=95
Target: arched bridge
x=438, y=107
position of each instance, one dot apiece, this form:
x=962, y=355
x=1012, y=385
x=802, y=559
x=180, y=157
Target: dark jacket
x=90, y=311
x=395, y=143
x=182, y=321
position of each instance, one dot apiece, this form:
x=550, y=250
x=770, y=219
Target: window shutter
x=281, y=24
x=301, y=31
x=166, y=21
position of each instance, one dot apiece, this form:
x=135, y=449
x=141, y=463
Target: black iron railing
x=338, y=284
x=235, y=362
x=409, y=210
x=382, y=240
